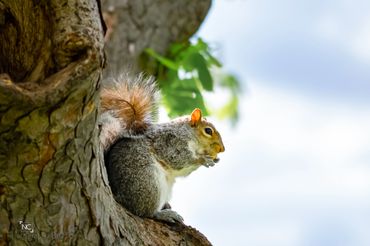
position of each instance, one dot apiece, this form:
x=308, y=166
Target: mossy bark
x=53, y=184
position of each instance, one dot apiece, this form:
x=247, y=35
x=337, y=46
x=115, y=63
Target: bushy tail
x=128, y=105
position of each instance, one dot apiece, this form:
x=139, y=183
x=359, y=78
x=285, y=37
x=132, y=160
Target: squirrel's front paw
x=168, y=215
x=209, y=161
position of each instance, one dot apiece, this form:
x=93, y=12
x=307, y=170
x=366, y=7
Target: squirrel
x=142, y=157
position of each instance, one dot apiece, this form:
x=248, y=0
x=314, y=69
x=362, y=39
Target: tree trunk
x=53, y=183
x=136, y=25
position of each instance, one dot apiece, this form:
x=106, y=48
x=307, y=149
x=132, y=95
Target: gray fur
x=131, y=176
x=142, y=158
x=171, y=143
x=131, y=168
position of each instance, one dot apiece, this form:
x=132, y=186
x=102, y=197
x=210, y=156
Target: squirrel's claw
x=209, y=161
x=168, y=215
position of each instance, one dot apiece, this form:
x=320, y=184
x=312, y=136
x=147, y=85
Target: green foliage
x=186, y=73
x=230, y=109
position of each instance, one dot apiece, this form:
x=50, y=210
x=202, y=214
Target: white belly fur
x=164, y=183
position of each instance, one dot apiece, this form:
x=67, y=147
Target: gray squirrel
x=143, y=158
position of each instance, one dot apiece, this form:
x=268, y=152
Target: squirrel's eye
x=208, y=131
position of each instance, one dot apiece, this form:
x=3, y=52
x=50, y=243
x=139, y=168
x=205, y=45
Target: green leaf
x=185, y=74
x=230, y=110
x=182, y=97
x=211, y=60
x=163, y=60
x=177, y=48
x=196, y=61
x=231, y=82
x=201, y=45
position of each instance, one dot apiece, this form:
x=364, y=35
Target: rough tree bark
x=53, y=184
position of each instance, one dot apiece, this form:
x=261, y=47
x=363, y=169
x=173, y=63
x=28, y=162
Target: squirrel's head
x=209, y=138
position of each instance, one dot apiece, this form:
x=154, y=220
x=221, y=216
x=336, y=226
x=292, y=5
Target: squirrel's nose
x=220, y=148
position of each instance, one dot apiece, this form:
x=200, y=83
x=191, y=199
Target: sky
x=296, y=170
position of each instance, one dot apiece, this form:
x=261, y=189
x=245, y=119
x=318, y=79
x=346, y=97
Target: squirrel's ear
x=196, y=117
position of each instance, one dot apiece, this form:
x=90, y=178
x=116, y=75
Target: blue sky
x=296, y=171
x=318, y=46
